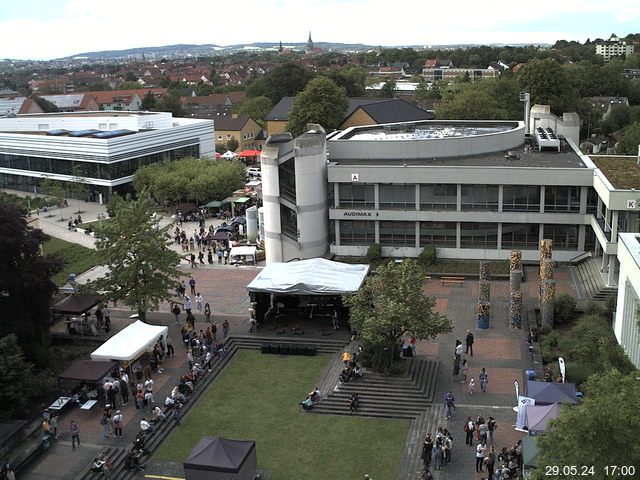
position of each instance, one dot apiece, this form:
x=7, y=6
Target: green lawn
x=78, y=259
x=256, y=398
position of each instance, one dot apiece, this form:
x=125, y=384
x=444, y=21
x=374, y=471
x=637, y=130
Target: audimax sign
x=360, y=213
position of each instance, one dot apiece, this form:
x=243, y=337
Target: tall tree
x=46, y=105
x=256, y=107
x=135, y=249
x=389, y=89
x=15, y=390
x=608, y=410
x=148, y=101
x=286, y=80
x=170, y=103
x=389, y=305
x=549, y=84
x=352, y=78
x=233, y=144
x=469, y=102
x=322, y=102
x=26, y=288
x=630, y=141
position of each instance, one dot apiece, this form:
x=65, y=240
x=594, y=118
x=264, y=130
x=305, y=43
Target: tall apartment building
x=614, y=47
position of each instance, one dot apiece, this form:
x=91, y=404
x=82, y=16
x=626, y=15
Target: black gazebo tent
x=217, y=458
x=76, y=304
x=88, y=370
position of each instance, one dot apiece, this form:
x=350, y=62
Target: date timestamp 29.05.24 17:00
x=570, y=471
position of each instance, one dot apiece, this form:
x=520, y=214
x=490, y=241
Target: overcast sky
x=45, y=29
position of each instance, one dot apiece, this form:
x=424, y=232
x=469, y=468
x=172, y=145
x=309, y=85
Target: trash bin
x=531, y=375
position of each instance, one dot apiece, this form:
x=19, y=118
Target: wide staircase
x=404, y=396
x=589, y=275
x=232, y=344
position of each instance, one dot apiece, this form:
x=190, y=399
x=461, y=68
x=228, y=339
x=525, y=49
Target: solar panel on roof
x=112, y=133
x=57, y=132
x=83, y=133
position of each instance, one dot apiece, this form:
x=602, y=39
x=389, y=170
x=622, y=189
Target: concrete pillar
x=548, y=302
x=485, y=271
x=515, y=280
x=614, y=226
x=500, y=200
x=583, y=200
x=483, y=315
x=542, y=193
x=515, y=310
x=336, y=228
x=515, y=260
x=459, y=198
x=484, y=291
x=611, y=274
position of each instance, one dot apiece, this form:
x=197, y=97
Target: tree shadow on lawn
x=257, y=398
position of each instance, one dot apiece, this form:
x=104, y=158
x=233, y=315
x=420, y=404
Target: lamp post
x=100, y=218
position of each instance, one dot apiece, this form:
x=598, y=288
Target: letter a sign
x=355, y=177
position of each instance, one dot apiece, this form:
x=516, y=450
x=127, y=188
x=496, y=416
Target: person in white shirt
x=199, y=302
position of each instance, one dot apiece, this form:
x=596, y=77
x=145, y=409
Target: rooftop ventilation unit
x=547, y=139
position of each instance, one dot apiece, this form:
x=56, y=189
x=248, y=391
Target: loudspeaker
x=266, y=348
x=302, y=349
x=293, y=350
x=311, y=350
x=284, y=349
x=275, y=349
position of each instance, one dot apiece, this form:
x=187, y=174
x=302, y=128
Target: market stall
x=222, y=459
x=131, y=342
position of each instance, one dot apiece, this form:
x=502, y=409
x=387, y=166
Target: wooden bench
x=448, y=280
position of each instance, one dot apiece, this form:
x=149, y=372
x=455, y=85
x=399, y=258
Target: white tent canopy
x=131, y=342
x=229, y=154
x=315, y=276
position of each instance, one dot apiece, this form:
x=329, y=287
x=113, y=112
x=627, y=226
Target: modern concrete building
x=472, y=189
x=625, y=325
x=104, y=148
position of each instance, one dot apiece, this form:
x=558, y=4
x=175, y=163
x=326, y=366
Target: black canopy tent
x=76, y=304
x=88, y=370
x=218, y=458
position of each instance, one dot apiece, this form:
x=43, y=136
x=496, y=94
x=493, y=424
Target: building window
x=478, y=235
x=353, y=232
x=228, y=137
x=480, y=197
x=520, y=235
x=400, y=197
x=592, y=200
x=521, y=198
x=398, y=234
x=565, y=237
x=356, y=195
x=220, y=137
x=287, y=174
x=438, y=197
x=438, y=234
x=562, y=199
x=289, y=222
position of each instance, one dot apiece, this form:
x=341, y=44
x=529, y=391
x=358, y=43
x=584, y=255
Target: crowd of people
x=351, y=367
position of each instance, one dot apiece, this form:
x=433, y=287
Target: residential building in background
x=614, y=47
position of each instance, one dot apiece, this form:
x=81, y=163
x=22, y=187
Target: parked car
x=254, y=172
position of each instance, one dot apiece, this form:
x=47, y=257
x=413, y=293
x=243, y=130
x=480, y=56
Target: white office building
x=104, y=148
x=472, y=189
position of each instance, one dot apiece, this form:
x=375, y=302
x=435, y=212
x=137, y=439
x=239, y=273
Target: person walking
x=437, y=456
x=225, y=328
x=484, y=379
x=490, y=462
x=469, y=428
x=192, y=285
x=207, y=312
x=187, y=304
x=469, y=342
x=117, y=424
x=491, y=425
x=106, y=315
x=199, y=301
x=449, y=405
x=465, y=370
x=176, y=312
x=225, y=254
x=472, y=386
x=458, y=350
x=105, y=421
x=480, y=452
x=74, y=429
x=456, y=369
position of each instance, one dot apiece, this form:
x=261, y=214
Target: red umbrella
x=218, y=155
x=250, y=153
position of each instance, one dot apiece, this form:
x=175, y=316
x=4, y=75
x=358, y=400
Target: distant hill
x=188, y=50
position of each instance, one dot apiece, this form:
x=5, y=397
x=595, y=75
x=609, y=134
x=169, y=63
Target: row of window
x=245, y=136
x=104, y=171
x=443, y=234
x=515, y=198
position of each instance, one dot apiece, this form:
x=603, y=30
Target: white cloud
x=86, y=26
